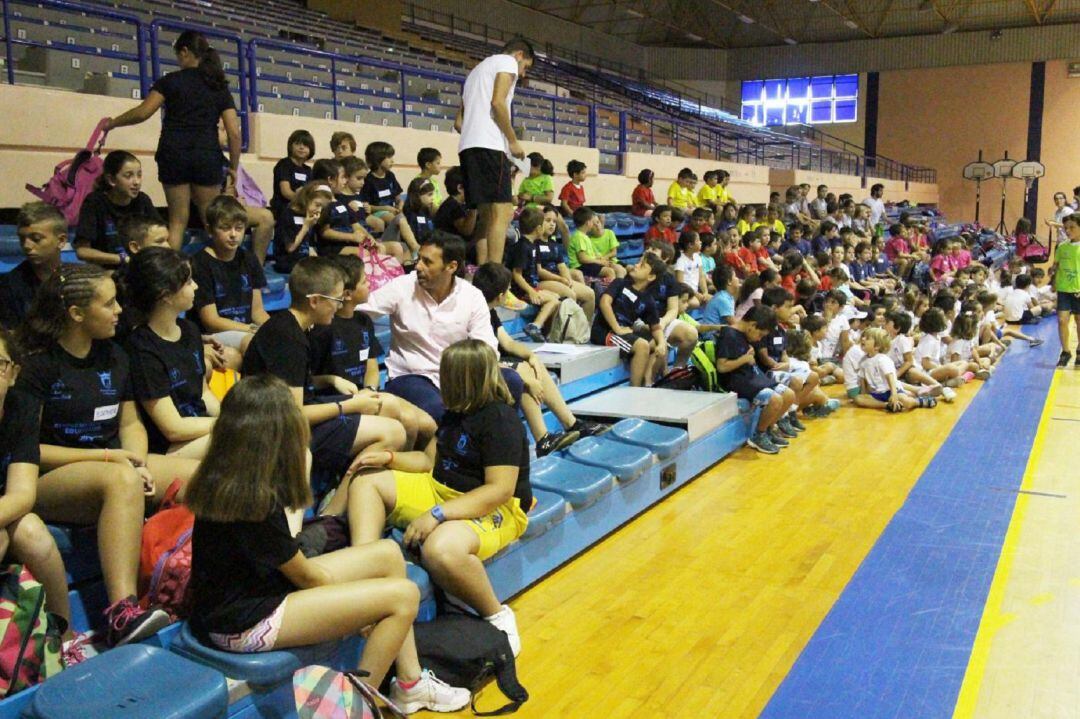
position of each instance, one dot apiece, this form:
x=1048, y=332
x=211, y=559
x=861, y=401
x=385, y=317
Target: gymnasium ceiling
x=758, y=23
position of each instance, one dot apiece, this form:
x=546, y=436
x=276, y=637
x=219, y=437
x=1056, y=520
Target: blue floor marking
x=897, y=642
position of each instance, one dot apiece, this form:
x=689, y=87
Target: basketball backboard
x=1003, y=168
x=1032, y=169
x=978, y=171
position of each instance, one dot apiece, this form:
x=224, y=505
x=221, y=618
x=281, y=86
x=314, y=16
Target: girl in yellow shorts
x=466, y=496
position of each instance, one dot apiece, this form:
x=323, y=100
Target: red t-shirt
x=826, y=283
x=733, y=260
x=572, y=196
x=788, y=283
x=667, y=235
x=749, y=259
x=642, y=200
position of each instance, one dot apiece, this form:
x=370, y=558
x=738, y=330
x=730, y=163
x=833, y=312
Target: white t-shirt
x=752, y=300
x=818, y=208
x=1060, y=215
x=901, y=345
x=690, y=268
x=929, y=346
x=876, y=371
x=877, y=209
x=851, y=365
x=1015, y=302
x=830, y=345
x=478, y=128
x=989, y=319
x=960, y=347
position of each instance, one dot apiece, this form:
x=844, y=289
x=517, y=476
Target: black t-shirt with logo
x=344, y=347
x=421, y=223
x=335, y=217
x=192, y=109
x=226, y=285
x=160, y=368
x=449, y=212
x=524, y=257
x=628, y=305
x=774, y=343
x=748, y=379
x=281, y=348
x=80, y=398
x=99, y=220
x=287, y=171
x=18, y=432
x=665, y=287
x=381, y=191
x=548, y=255
x=289, y=225
x=490, y=437
x=17, y=289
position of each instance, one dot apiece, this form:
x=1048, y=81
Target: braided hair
x=73, y=285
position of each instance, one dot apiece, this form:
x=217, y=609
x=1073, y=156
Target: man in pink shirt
x=431, y=309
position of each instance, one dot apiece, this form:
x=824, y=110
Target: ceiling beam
x=1048, y=8
x=1034, y=11
x=884, y=16
x=849, y=16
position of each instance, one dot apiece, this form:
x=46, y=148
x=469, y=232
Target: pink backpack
x=74, y=179
x=165, y=559
x=380, y=269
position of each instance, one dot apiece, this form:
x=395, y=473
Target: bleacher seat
x=548, y=510
x=580, y=484
x=626, y=462
x=665, y=442
x=136, y=682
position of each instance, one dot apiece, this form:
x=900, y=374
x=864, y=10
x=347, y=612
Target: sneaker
x=934, y=390
x=554, y=441
x=968, y=376
x=76, y=651
x=828, y=380
x=784, y=429
x=927, y=402
x=1036, y=342
x=762, y=443
x=513, y=303
x=983, y=374
x=947, y=394
x=505, y=621
x=589, y=429
x=128, y=622
x=795, y=423
x=534, y=333
x=429, y=692
x=956, y=382
x=1063, y=359
x=816, y=411
x=777, y=437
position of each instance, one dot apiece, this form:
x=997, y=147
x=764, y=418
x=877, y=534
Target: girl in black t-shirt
x=465, y=497
x=292, y=172
x=253, y=590
x=414, y=223
x=93, y=445
x=23, y=536
x=117, y=199
x=188, y=155
x=168, y=370
x=298, y=224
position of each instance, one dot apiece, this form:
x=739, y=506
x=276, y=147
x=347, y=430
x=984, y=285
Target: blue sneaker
x=777, y=438
x=832, y=405
x=762, y=443
x=534, y=333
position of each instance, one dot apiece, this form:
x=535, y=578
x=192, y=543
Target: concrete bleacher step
x=134, y=681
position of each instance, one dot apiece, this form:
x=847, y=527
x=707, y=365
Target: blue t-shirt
x=720, y=306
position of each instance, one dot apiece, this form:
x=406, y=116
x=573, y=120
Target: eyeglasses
x=339, y=300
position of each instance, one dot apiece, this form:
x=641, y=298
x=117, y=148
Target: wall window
x=801, y=100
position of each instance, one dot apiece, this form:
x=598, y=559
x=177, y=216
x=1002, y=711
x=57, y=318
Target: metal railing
x=335, y=83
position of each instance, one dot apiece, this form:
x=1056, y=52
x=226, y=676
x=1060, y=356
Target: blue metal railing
x=611, y=131
x=157, y=26
x=10, y=39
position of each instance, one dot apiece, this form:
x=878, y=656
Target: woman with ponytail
x=95, y=464
x=188, y=154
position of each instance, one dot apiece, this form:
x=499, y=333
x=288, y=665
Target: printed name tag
x=300, y=176
x=384, y=193
x=364, y=354
x=778, y=340
x=628, y=293
x=109, y=411
x=297, y=219
x=421, y=220
x=544, y=249
x=340, y=209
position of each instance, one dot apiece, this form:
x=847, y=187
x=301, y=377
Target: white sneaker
x=505, y=621
x=948, y=394
x=429, y=693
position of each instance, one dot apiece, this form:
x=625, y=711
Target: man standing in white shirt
x=876, y=205
x=431, y=309
x=488, y=141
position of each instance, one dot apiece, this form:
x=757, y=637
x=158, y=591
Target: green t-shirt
x=1068, y=270
x=605, y=243
x=580, y=242
x=539, y=185
x=437, y=198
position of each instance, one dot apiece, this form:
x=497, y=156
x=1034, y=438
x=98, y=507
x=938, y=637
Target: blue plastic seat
x=264, y=669
x=579, y=484
x=549, y=510
x=626, y=462
x=133, y=681
x=10, y=246
x=663, y=441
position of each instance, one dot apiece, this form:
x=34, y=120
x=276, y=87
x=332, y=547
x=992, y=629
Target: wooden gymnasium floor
x=847, y=581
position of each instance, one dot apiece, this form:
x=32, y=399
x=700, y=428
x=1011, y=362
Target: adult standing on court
x=487, y=139
x=188, y=154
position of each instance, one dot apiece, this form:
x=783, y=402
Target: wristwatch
x=437, y=513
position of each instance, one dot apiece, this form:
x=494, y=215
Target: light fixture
x=746, y=19
x=995, y=34
x=852, y=24
x=692, y=36
x=791, y=40
x=633, y=13
x=950, y=29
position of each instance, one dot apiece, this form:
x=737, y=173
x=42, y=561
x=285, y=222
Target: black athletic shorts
x=189, y=167
x=487, y=176
x=1068, y=302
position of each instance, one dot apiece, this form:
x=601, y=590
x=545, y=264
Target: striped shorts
x=259, y=638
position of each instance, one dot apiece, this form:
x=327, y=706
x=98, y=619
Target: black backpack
x=680, y=378
x=465, y=651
